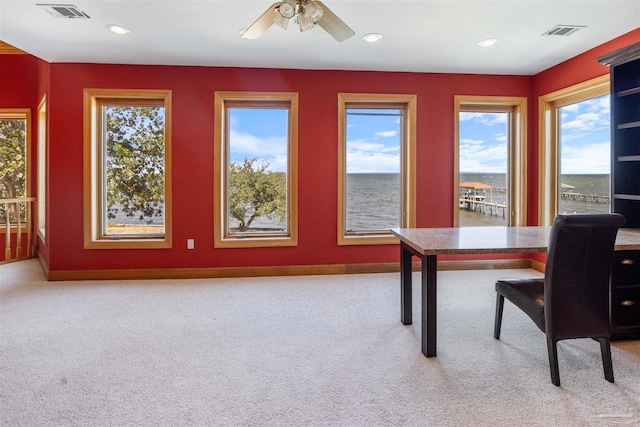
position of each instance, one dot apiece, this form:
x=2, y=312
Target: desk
x=428, y=243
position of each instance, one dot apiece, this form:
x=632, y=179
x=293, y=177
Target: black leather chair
x=572, y=301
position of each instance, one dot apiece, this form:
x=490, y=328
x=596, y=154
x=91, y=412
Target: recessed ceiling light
x=487, y=42
x=371, y=37
x=118, y=29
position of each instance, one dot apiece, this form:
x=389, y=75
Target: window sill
x=255, y=242
x=368, y=239
x=129, y=244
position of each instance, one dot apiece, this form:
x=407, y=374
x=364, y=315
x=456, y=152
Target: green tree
x=255, y=192
x=12, y=158
x=135, y=161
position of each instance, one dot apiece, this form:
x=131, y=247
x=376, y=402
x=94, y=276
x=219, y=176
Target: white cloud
x=464, y=116
x=585, y=116
x=586, y=159
x=247, y=143
x=572, y=108
x=477, y=156
x=487, y=119
x=586, y=122
x=386, y=134
x=466, y=141
x=272, y=150
x=371, y=157
x=372, y=162
x=364, y=145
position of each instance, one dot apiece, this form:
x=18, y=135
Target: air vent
x=563, y=30
x=64, y=11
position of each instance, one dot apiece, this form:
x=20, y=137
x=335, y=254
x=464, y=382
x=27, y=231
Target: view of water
x=373, y=201
x=583, y=184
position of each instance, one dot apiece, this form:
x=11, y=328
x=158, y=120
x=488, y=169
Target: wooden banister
x=15, y=223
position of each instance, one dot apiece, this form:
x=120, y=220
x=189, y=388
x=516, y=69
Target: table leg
x=406, y=309
x=429, y=305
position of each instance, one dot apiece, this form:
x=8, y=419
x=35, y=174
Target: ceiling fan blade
x=334, y=25
x=262, y=24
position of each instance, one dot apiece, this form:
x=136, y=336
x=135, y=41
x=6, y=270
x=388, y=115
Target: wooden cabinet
x=625, y=185
x=625, y=132
x=625, y=295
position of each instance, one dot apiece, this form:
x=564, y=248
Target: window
x=376, y=166
x=574, y=150
x=255, y=169
x=15, y=126
x=585, y=156
x=127, y=180
x=490, y=155
x=42, y=168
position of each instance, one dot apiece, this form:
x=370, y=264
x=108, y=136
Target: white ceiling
x=418, y=35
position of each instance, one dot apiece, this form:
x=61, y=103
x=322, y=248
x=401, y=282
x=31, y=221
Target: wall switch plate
x=190, y=243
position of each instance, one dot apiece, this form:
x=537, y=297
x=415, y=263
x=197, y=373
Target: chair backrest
x=577, y=275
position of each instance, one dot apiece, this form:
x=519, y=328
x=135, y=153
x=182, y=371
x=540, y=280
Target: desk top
x=492, y=240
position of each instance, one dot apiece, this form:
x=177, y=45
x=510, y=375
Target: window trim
x=516, y=150
x=549, y=137
x=407, y=168
x=22, y=114
x=43, y=170
x=92, y=167
x=222, y=100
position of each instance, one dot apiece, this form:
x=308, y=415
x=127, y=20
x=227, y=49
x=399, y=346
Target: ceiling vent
x=64, y=11
x=563, y=30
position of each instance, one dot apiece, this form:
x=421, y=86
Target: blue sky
x=373, y=143
x=585, y=139
x=261, y=133
x=483, y=142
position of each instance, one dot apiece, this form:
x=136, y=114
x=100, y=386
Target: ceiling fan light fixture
x=281, y=21
x=304, y=22
x=312, y=10
x=307, y=14
x=287, y=9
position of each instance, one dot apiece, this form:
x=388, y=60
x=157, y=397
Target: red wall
x=17, y=76
x=576, y=70
x=580, y=68
x=18, y=72
x=193, y=90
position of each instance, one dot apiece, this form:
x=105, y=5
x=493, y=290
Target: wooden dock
x=580, y=197
x=480, y=205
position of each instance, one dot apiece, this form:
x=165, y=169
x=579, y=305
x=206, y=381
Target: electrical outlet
x=191, y=243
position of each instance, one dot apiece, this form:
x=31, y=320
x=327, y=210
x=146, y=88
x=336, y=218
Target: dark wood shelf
x=627, y=197
x=629, y=158
x=629, y=92
x=629, y=125
x=625, y=183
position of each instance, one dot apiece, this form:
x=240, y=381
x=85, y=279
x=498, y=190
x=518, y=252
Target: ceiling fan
x=306, y=13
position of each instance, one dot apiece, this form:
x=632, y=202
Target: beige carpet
x=320, y=351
